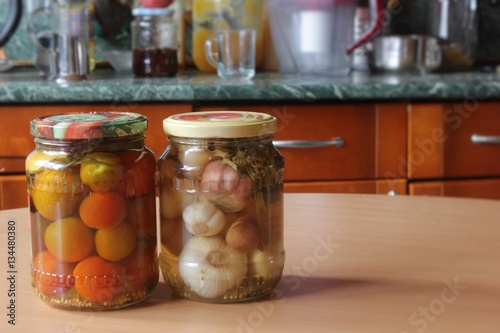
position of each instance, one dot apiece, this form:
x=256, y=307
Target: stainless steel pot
x=405, y=54
x=453, y=22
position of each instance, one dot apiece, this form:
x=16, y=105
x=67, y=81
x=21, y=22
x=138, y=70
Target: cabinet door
x=338, y=142
x=454, y=140
x=13, y=192
x=391, y=187
x=477, y=188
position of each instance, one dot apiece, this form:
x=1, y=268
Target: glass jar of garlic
x=221, y=206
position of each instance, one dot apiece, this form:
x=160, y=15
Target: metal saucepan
x=416, y=54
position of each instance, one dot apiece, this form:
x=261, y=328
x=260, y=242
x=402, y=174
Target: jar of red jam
x=154, y=42
x=91, y=184
x=221, y=206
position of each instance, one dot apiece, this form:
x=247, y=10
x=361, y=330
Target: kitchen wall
x=21, y=48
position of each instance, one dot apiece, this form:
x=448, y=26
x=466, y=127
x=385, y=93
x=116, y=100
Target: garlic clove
x=202, y=218
x=194, y=160
x=228, y=189
x=176, y=194
x=244, y=234
x=262, y=265
x=210, y=268
x=173, y=235
x=170, y=203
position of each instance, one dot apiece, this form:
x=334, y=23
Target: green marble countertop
x=23, y=85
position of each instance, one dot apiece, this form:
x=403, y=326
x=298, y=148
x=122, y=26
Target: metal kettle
x=12, y=22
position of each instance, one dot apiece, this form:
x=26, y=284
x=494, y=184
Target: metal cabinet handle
x=485, y=139
x=338, y=142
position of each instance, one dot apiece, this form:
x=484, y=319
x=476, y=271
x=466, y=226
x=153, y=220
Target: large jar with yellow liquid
x=212, y=15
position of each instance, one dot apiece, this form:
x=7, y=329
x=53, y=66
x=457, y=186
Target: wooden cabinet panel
x=476, y=188
x=394, y=186
x=440, y=140
x=16, y=140
x=374, y=136
x=13, y=192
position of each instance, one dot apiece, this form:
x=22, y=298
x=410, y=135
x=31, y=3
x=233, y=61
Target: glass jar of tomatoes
x=91, y=185
x=221, y=206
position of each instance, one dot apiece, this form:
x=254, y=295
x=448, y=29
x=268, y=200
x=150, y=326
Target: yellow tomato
x=101, y=171
x=56, y=193
x=69, y=239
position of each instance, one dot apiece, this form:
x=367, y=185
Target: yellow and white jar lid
x=220, y=124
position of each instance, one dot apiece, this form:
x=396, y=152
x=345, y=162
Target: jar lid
x=88, y=125
x=220, y=124
x=143, y=11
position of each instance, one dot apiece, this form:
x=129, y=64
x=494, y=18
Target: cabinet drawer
x=394, y=186
x=441, y=143
x=373, y=136
x=13, y=192
x=16, y=140
x=476, y=188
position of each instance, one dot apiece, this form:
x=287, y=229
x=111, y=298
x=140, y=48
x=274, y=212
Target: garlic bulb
x=244, y=234
x=203, y=219
x=226, y=188
x=210, y=268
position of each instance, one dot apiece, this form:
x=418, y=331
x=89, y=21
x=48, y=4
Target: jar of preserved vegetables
x=221, y=206
x=91, y=184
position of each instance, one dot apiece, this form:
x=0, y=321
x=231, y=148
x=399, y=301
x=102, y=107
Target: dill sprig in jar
x=91, y=184
x=221, y=206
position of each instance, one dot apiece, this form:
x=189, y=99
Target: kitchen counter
x=355, y=263
x=23, y=85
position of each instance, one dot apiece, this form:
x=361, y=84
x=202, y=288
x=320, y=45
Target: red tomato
x=139, y=173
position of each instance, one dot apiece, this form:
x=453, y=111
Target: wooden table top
x=355, y=263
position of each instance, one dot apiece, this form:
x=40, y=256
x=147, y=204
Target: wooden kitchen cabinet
x=373, y=140
x=397, y=148
x=13, y=191
x=453, y=140
x=454, y=149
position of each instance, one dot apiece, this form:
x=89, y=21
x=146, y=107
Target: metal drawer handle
x=485, y=139
x=338, y=142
